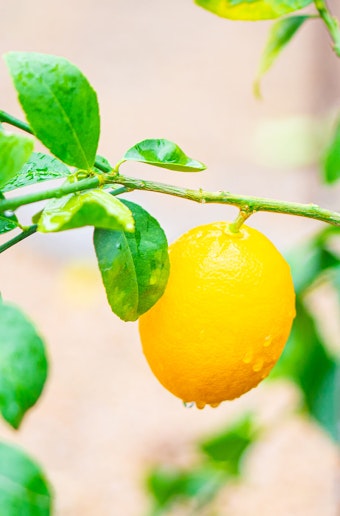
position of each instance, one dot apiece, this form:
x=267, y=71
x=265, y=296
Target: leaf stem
x=28, y=232
x=331, y=22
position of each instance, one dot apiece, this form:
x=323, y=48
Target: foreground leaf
x=40, y=167
x=60, y=105
x=134, y=266
x=279, y=36
x=24, y=489
x=14, y=152
x=94, y=208
x=23, y=364
x=163, y=153
x=252, y=10
x=307, y=362
x=331, y=160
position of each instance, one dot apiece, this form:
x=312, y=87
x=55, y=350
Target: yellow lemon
x=224, y=318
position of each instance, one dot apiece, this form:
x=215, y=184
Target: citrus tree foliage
x=62, y=112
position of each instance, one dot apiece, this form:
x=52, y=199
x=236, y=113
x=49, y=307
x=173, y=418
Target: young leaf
x=229, y=446
x=94, y=208
x=14, y=151
x=40, y=167
x=307, y=362
x=252, y=10
x=23, y=364
x=59, y=104
x=331, y=160
x=279, y=36
x=24, y=489
x=134, y=266
x=163, y=153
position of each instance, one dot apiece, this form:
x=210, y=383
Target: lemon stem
x=240, y=219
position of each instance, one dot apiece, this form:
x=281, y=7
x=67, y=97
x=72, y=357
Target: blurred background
x=171, y=70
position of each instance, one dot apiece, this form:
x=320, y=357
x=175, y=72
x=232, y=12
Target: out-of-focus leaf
x=310, y=259
x=229, y=446
x=24, y=489
x=331, y=160
x=252, y=10
x=94, y=208
x=169, y=486
x=60, y=105
x=163, y=153
x=14, y=151
x=23, y=365
x=279, y=36
x=40, y=167
x=307, y=362
x=134, y=266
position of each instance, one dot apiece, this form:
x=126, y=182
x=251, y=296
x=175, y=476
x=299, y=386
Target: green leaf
x=60, y=105
x=40, y=167
x=24, y=489
x=23, y=364
x=93, y=208
x=134, y=266
x=169, y=485
x=229, y=446
x=307, y=362
x=163, y=153
x=279, y=36
x=252, y=10
x=14, y=151
x=331, y=159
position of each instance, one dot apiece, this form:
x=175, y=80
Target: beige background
x=172, y=70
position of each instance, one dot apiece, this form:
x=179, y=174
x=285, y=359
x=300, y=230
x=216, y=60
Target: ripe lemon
x=224, y=318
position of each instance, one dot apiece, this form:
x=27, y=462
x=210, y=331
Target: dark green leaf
x=59, y=104
x=94, y=208
x=170, y=485
x=252, y=9
x=331, y=160
x=14, y=151
x=23, y=364
x=134, y=266
x=229, y=446
x=163, y=153
x=24, y=490
x=307, y=362
x=40, y=167
x=279, y=36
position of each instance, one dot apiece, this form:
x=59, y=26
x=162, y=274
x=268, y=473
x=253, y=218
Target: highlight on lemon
x=224, y=318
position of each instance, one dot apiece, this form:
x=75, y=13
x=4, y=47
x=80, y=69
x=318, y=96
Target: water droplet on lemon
x=200, y=404
x=267, y=341
x=258, y=365
x=247, y=357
